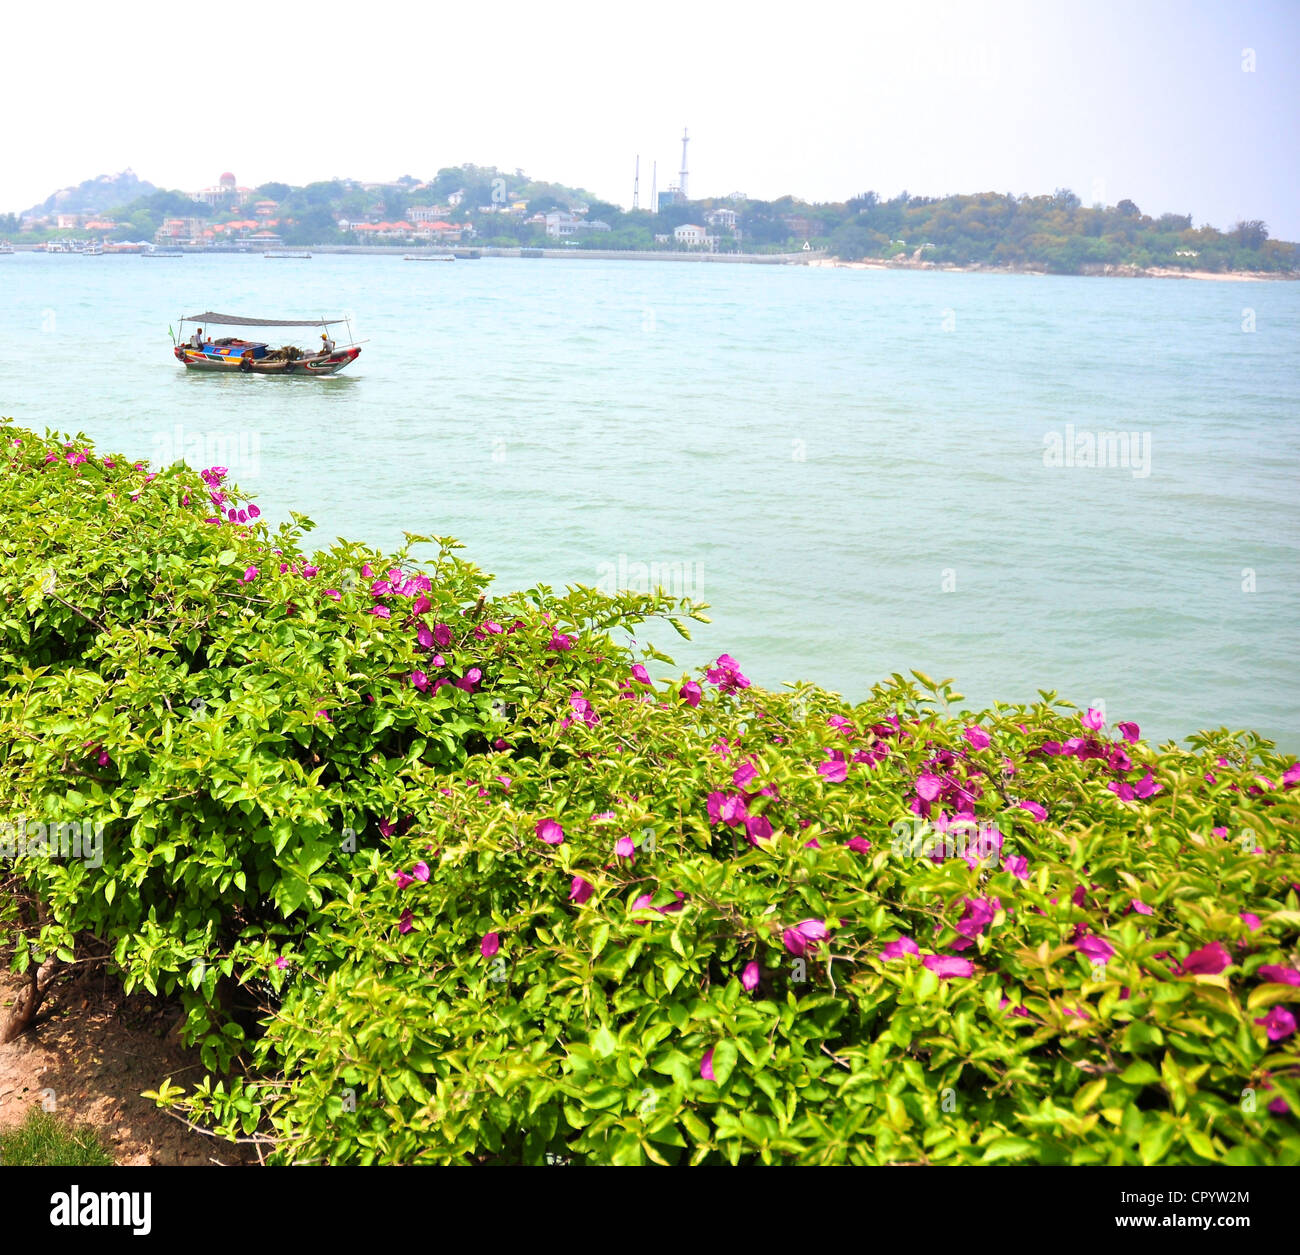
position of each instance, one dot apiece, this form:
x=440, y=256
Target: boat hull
x=322, y=364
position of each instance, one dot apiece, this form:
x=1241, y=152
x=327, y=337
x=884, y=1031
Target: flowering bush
x=441, y=876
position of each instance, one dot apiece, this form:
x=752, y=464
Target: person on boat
x=196, y=340
x=327, y=345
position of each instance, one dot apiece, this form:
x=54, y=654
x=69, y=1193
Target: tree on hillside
x=1250, y=234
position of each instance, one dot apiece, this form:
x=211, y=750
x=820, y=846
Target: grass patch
x=43, y=1140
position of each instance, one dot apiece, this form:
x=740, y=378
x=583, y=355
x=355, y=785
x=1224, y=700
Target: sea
x=1023, y=483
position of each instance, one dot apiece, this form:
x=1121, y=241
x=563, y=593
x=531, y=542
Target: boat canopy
x=230, y=320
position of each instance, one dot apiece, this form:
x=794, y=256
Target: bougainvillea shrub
x=447, y=876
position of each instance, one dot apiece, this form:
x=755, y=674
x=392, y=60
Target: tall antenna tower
x=654, y=187
x=636, y=185
x=682, y=181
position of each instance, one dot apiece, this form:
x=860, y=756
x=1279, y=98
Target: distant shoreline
x=815, y=258
x=1088, y=272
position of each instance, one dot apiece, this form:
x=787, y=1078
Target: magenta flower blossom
x=691, y=693
x=420, y=680
x=1207, y=961
x=406, y=922
x=743, y=774
x=1279, y=1023
x=1250, y=919
x=418, y=607
x=1129, y=731
x=1291, y=775
x=1092, y=718
x=1096, y=948
x=403, y=879
x=579, y=890
x=550, y=832
x=706, y=1065
x=559, y=642
x=282, y=963
x=725, y=673
x=424, y=637
x=442, y=634
x=1017, y=865
x=490, y=944
x=1140, y=908
x=757, y=828
x=750, y=976
x=900, y=946
x=836, y=770
x=640, y=674
x=840, y=724
x=1038, y=812
x=859, y=845
x=977, y=916
x=250, y=574
x=805, y=935
x=623, y=848
x=976, y=738
x=380, y=612
x=421, y=872
x=1147, y=787
x=1278, y=975
x=946, y=966
x=928, y=786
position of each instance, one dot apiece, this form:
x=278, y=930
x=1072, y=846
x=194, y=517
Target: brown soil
x=97, y=1049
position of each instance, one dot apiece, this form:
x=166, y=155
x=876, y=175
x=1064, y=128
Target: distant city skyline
x=1188, y=108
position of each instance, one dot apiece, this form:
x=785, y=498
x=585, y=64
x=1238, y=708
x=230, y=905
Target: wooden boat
x=235, y=355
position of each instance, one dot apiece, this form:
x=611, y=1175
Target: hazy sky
x=1142, y=99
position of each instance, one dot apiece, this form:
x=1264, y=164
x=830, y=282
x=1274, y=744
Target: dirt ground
x=92, y=1051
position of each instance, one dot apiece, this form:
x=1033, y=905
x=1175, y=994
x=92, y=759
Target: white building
x=725, y=218
x=690, y=236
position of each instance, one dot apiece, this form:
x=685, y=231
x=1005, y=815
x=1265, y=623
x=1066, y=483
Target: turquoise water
x=848, y=466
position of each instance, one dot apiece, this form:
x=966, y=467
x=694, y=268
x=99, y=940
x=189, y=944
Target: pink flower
x=1207, y=961
x=1035, y=810
x=804, y=935
x=1250, y=919
x=380, y=612
x=250, y=574
x=1140, y=908
x=623, y=848
x=282, y=963
x=859, y=845
x=840, y=724
x=977, y=916
x=750, y=976
x=1279, y=1023
x=1096, y=948
x=1017, y=865
x=1147, y=787
x=579, y=890
x=405, y=924
x=559, y=642
x=442, y=634
x=1291, y=775
x=1129, y=731
x=421, y=872
x=490, y=944
x=928, y=786
x=743, y=775
x=835, y=771
x=420, y=680
x=976, y=738
x=757, y=828
x=1092, y=718
x=1278, y=975
x=691, y=693
x=726, y=675
x=947, y=966
x=706, y=1065
x=550, y=832
x=640, y=674
x=899, y=947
